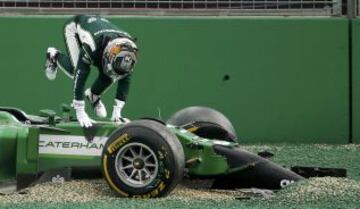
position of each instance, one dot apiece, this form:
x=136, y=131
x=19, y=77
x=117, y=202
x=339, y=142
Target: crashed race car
x=144, y=158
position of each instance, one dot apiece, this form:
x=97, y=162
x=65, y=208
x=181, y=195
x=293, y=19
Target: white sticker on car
x=71, y=145
x=219, y=142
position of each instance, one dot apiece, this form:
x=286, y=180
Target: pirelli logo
x=118, y=143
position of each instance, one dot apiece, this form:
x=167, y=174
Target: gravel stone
x=313, y=190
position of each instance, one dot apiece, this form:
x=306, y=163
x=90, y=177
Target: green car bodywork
x=28, y=149
x=33, y=148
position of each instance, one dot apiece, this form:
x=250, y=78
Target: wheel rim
x=136, y=165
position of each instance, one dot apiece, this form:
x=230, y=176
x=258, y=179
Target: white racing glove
x=116, y=114
x=81, y=115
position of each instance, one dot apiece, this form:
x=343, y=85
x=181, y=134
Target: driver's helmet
x=119, y=58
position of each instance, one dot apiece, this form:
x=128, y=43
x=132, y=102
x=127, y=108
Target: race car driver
x=93, y=40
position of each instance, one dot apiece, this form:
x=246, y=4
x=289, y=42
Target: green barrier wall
x=356, y=79
x=288, y=77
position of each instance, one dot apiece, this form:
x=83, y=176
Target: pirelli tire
x=205, y=122
x=143, y=159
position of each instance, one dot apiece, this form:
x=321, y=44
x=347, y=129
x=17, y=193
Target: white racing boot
x=96, y=103
x=50, y=64
x=116, y=114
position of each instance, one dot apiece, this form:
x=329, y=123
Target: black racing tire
x=204, y=122
x=144, y=138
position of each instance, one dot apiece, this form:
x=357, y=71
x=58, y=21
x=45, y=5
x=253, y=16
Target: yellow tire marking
x=117, y=143
x=109, y=179
x=167, y=174
x=193, y=129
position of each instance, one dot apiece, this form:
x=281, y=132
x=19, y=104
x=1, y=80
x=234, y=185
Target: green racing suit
x=86, y=37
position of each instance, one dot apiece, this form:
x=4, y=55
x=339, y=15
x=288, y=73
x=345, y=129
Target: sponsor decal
x=91, y=20
x=118, y=143
x=71, y=145
x=285, y=182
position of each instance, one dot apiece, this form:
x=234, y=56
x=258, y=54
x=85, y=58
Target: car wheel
x=143, y=159
x=204, y=122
